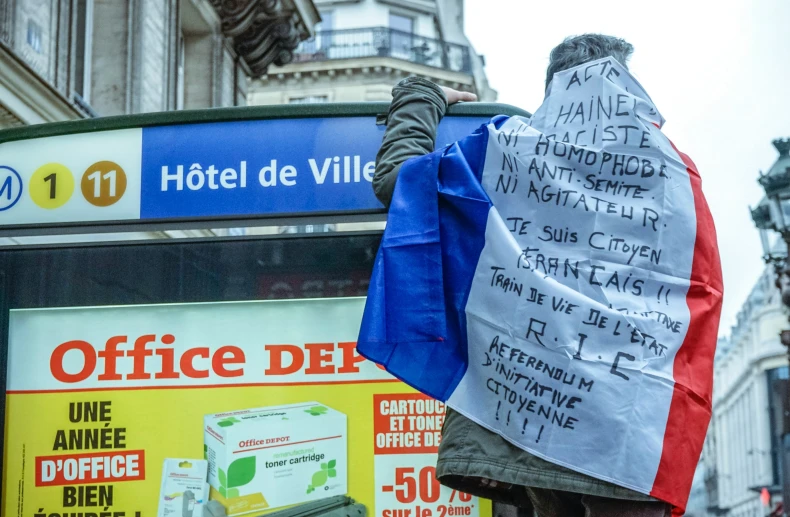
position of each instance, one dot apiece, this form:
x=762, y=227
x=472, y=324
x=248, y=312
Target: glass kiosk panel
x=143, y=375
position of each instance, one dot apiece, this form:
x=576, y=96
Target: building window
x=326, y=23
x=777, y=398
x=82, y=48
x=401, y=36
x=324, y=31
x=309, y=99
x=34, y=36
x=402, y=23
x=323, y=36
x=180, y=73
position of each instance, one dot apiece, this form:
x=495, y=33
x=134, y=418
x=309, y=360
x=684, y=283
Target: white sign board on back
x=556, y=280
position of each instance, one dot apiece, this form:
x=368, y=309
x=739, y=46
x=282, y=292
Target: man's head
x=577, y=50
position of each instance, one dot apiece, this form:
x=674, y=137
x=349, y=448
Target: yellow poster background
x=168, y=423
x=166, y=420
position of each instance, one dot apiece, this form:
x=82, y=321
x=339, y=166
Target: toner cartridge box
x=276, y=456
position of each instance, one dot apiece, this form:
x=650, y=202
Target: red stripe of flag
x=691, y=406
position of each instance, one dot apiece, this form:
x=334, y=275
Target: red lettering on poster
x=148, y=358
x=78, y=469
x=407, y=423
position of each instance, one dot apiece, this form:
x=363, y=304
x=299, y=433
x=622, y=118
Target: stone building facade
x=363, y=47
x=742, y=454
x=69, y=59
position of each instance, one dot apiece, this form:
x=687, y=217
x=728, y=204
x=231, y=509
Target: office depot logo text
x=280, y=440
x=150, y=357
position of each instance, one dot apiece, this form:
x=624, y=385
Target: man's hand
x=454, y=96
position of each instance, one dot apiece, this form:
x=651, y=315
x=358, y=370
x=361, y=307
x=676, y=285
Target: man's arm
x=417, y=108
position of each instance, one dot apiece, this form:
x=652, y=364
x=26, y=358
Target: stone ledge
x=365, y=65
x=27, y=96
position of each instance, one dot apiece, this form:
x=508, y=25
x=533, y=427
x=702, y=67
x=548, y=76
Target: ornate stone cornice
x=239, y=15
x=269, y=41
x=264, y=32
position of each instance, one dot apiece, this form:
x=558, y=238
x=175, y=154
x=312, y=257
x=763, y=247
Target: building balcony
x=385, y=43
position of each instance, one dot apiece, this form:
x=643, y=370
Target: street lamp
x=773, y=215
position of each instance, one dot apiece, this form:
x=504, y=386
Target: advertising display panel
x=271, y=393
x=220, y=165
x=151, y=378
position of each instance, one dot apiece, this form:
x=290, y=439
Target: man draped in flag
x=556, y=280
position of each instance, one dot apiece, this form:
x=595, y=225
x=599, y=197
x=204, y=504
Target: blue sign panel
x=236, y=169
x=267, y=167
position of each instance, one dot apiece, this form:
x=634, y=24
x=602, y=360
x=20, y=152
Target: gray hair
x=577, y=50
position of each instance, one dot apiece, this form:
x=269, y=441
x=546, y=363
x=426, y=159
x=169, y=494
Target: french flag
x=557, y=280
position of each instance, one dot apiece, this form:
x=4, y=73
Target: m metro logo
x=10, y=187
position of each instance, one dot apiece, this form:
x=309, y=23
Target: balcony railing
x=384, y=42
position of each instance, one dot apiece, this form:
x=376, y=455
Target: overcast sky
x=719, y=72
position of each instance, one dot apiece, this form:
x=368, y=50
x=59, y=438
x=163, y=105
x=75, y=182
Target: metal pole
x=783, y=282
x=786, y=441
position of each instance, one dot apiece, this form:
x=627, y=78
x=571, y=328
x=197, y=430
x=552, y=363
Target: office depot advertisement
x=271, y=396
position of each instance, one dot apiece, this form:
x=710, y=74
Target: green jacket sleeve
x=417, y=108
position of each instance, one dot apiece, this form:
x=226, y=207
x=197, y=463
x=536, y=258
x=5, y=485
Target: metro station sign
x=228, y=165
